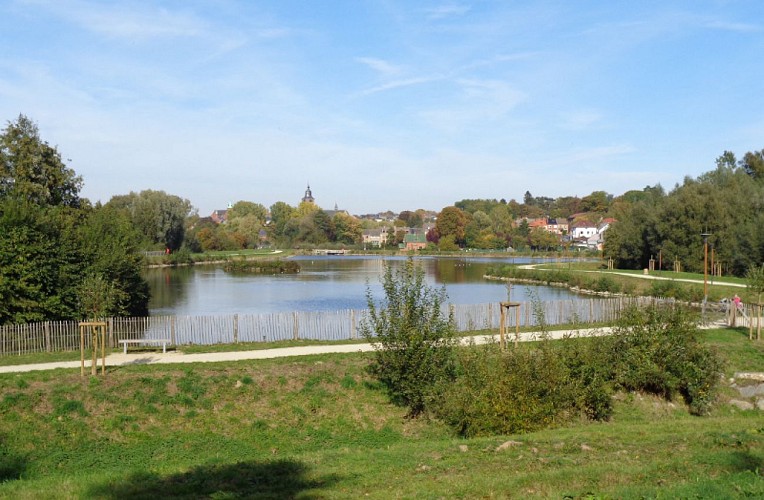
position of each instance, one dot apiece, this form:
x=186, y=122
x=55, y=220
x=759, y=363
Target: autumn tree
x=452, y=223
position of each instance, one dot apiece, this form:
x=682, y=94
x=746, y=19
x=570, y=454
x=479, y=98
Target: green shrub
x=182, y=256
x=663, y=288
x=523, y=389
x=414, y=342
x=606, y=284
x=657, y=350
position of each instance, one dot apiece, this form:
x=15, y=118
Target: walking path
x=172, y=357
x=640, y=276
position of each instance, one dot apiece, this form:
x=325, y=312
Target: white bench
x=164, y=343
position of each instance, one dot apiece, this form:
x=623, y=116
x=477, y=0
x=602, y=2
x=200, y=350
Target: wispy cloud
x=478, y=101
x=379, y=65
x=122, y=21
x=580, y=120
x=736, y=27
x=397, y=84
x=447, y=10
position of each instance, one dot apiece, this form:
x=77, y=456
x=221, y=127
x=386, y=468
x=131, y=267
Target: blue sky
x=385, y=104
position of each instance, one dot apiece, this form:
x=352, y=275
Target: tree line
x=721, y=211
x=63, y=257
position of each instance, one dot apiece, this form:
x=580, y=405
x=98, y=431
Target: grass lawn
x=320, y=427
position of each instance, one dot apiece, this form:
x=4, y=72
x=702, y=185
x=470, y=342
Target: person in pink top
x=737, y=302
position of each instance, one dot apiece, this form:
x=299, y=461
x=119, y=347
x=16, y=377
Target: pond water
x=326, y=283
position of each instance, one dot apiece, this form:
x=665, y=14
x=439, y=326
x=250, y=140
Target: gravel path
x=144, y=358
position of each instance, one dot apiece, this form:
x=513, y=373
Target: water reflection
x=324, y=284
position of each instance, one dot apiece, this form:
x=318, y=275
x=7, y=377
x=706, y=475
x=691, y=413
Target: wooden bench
x=164, y=343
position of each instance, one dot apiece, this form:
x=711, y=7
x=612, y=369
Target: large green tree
x=33, y=170
x=158, y=216
x=56, y=251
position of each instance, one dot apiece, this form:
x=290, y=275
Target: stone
x=756, y=376
x=749, y=391
x=742, y=405
x=508, y=444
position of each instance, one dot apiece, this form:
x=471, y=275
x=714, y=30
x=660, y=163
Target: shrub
x=606, y=284
x=414, y=342
x=654, y=350
x=181, y=257
x=657, y=350
x=524, y=389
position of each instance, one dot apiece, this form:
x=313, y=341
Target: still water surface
x=325, y=284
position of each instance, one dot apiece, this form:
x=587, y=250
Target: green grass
x=321, y=427
x=597, y=266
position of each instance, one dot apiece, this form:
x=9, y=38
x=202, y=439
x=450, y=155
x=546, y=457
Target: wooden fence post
x=112, y=341
x=47, y=336
x=296, y=333
x=172, y=330
x=352, y=324
x=235, y=328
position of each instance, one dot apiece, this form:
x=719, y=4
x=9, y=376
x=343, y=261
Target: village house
x=219, y=216
x=413, y=242
x=375, y=237
x=583, y=230
x=557, y=226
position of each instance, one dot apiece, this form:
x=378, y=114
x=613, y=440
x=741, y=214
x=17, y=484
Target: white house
x=583, y=230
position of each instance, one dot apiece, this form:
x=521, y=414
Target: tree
x=727, y=160
x=753, y=164
x=158, y=216
x=110, y=247
x=347, y=229
x=60, y=258
x=32, y=170
x=411, y=219
x=414, y=342
x=281, y=214
x=598, y=201
x=452, y=222
x=245, y=209
x=39, y=267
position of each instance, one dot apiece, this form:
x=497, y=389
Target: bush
x=414, y=342
x=606, y=284
x=524, y=389
x=657, y=350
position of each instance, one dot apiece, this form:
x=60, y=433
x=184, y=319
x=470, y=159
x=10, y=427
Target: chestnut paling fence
x=53, y=336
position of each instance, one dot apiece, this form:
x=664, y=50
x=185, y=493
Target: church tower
x=308, y=195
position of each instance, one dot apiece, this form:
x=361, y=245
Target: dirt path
x=144, y=358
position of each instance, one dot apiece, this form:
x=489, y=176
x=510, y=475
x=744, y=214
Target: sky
x=384, y=104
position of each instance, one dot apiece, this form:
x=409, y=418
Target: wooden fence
x=52, y=336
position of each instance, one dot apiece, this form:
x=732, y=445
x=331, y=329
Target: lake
x=326, y=283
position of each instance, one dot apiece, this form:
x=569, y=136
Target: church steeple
x=308, y=195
